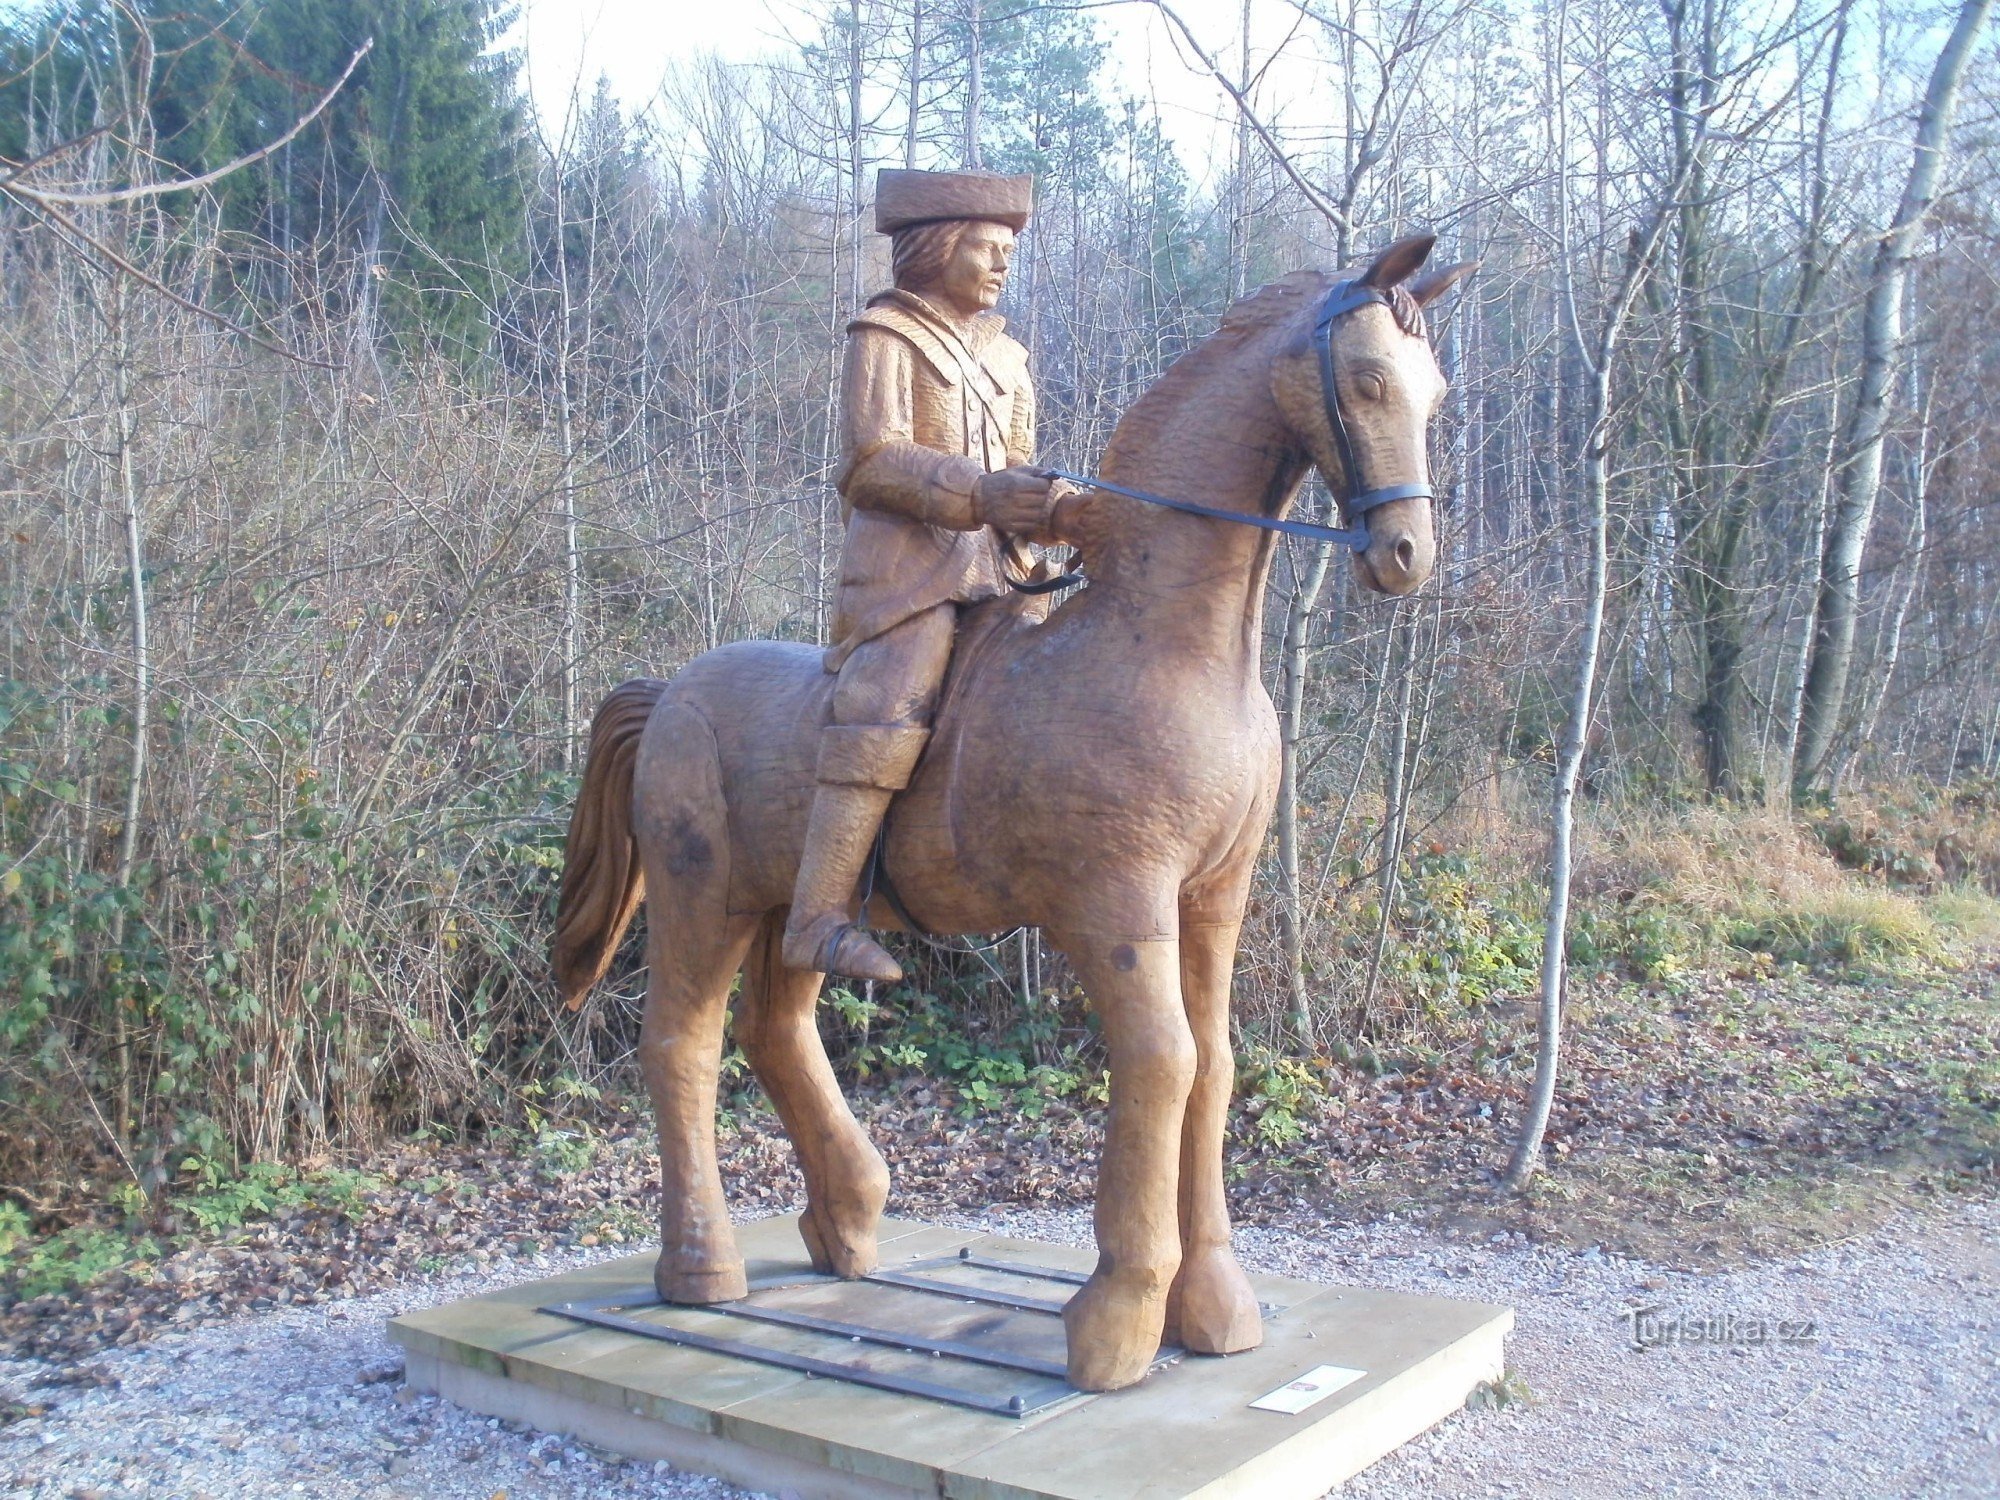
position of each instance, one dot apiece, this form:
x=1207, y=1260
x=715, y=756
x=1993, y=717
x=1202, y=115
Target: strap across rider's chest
x=945, y=351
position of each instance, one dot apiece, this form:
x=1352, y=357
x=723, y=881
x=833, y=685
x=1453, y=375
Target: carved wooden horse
x=1105, y=774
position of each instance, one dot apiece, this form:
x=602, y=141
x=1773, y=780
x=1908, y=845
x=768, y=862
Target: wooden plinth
x=1188, y=1430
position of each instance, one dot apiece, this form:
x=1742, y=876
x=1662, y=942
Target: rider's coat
x=928, y=406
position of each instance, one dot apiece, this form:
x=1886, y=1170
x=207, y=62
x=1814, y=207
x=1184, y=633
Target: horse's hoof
x=1113, y=1336
x=849, y=1257
x=714, y=1284
x=1212, y=1309
x=840, y=1223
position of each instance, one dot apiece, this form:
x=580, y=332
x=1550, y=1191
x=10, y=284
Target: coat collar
x=975, y=334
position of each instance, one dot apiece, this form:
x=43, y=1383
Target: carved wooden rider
x=938, y=430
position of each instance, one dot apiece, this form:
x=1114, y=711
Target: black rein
x=1342, y=298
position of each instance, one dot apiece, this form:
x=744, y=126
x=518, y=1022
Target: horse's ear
x=1399, y=262
x=1432, y=285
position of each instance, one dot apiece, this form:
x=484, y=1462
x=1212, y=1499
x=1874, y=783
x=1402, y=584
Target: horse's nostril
x=1406, y=554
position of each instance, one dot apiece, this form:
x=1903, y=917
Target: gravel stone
x=1897, y=1392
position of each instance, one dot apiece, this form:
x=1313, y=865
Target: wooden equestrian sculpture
x=1105, y=774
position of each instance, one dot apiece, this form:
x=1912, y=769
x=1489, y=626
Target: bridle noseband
x=1342, y=297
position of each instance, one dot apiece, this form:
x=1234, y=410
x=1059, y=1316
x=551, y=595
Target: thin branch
x=1326, y=206
x=46, y=196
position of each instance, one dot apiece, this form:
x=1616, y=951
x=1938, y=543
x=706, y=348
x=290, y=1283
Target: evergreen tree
x=1045, y=110
x=410, y=183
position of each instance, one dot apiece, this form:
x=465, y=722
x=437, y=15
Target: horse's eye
x=1370, y=385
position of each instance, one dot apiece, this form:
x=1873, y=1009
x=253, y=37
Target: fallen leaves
x=1676, y=1112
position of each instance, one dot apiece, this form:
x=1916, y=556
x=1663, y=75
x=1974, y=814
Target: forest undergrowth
x=1779, y=1031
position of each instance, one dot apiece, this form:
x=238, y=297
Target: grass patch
x=1968, y=913
x=1838, y=929
x=1673, y=894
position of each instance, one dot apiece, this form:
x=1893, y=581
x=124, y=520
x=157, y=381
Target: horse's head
x=1386, y=387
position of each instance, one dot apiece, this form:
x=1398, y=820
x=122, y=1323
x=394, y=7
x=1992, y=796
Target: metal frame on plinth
x=615, y=1313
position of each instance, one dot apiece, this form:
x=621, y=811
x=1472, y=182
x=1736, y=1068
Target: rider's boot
x=861, y=766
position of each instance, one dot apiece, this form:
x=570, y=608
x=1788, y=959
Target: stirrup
x=843, y=950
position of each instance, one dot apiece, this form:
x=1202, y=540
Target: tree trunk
x=1292, y=670
x=914, y=108
x=1395, y=804
x=572, y=615
x=974, y=80
x=857, y=187
x=1860, y=478
x=1569, y=762
x=1717, y=717
x=1913, y=559
x=1644, y=247
x=142, y=692
x=1239, y=194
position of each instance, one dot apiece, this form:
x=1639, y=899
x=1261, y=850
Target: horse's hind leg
x=680, y=1051
x=847, y=1182
x=1211, y=1309
x=694, y=948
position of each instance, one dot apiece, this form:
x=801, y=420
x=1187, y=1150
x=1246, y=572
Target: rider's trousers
x=891, y=682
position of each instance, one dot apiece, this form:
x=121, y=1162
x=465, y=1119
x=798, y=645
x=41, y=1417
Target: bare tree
x=1860, y=473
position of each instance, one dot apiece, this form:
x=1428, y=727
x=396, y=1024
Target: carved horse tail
x=603, y=880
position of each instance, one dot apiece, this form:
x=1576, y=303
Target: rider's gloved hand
x=1019, y=501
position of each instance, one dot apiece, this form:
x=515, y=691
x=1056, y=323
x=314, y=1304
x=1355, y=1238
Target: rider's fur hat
x=903, y=198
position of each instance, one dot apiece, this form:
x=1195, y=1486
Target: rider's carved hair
x=919, y=253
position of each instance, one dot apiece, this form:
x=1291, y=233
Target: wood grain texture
x=1105, y=773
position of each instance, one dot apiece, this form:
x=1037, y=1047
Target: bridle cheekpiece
x=1344, y=297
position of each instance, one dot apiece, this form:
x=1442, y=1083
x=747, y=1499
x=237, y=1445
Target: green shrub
x=15, y=1226
x=1275, y=1092
x=72, y=1259
x=216, y=1198
x=1469, y=937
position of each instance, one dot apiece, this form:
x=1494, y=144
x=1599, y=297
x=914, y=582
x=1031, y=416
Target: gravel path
x=1896, y=1393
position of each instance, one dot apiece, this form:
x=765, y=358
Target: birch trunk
x=1598, y=360
x=914, y=107
x=1569, y=762
x=1293, y=660
x=572, y=616
x=1860, y=478
x=974, y=81
x=857, y=187
x=142, y=690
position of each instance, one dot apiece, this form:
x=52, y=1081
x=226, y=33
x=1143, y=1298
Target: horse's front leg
x=1211, y=1309
x=1114, y=1322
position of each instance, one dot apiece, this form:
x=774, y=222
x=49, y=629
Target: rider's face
x=976, y=274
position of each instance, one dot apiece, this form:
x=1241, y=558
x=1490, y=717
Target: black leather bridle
x=1342, y=298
